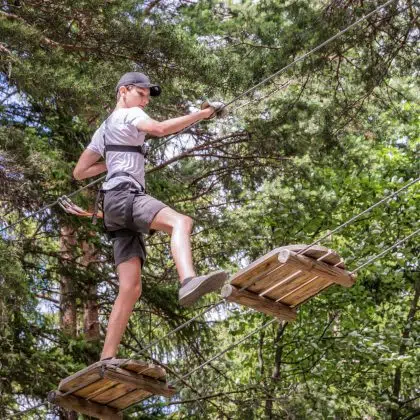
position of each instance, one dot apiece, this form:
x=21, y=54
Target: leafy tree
x=297, y=157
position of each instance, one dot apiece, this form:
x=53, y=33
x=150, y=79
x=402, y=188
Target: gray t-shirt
x=120, y=128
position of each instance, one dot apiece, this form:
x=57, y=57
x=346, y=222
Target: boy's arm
x=88, y=165
x=160, y=129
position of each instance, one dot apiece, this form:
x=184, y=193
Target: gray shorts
x=145, y=209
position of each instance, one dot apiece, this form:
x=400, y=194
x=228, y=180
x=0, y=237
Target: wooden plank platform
x=103, y=389
x=281, y=280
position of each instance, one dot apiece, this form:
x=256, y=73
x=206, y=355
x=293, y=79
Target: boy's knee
x=187, y=222
x=131, y=292
x=137, y=291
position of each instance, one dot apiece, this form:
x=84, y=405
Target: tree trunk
x=268, y=411
x=68, y=309
x=396, y=389
x=279, y=351
x=91, y=310
x=261, y=354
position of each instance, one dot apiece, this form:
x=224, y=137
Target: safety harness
x=129, y=229
x=143, y=149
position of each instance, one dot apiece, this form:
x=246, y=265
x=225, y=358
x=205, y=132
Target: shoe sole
x=211, y=284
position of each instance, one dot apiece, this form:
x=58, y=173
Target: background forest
x=298, y=156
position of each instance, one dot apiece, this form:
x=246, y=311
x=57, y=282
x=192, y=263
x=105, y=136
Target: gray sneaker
x=194, y=287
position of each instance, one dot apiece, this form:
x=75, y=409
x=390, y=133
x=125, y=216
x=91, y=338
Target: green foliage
x=296, y=158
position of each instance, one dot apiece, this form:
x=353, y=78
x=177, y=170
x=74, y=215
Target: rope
x=371, y=260
x=302, y=57
x=52, y=204
x=225, y=350
x=338, y=34
x=222, y=300
x=374, y=258
x=180, y=327
x=270, y=322
x=338, y=228
x=300, y=252
x=19, y=413
x=395, y=245
x=283, y=69
x=361, y=214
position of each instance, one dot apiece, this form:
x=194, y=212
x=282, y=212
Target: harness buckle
x=144, y=149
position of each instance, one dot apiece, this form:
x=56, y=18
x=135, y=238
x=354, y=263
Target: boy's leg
x=179, y=227
x=129, y=273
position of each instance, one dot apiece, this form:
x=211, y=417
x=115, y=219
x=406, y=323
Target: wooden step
x=261, y=304
x=103, y=389
x=284, y=278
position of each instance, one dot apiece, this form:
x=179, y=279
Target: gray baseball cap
x=138, y=79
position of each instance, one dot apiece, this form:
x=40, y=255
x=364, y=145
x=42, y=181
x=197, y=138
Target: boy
x=128, y=211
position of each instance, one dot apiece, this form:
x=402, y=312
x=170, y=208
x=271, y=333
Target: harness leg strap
x=121, y=233
x=128, y=213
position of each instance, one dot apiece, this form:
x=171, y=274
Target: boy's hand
x=69, y=207
x=219, y=108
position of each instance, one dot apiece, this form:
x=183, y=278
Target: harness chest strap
x=142, y=149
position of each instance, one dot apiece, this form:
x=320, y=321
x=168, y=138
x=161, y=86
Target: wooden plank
x=287, y=291
x=259, y=268
x=290, y=279
x=93, y=372
x=94, y=389
x=83, y=406
x=261, y=304
x=306, y=292
x=284, y=286
x=329, y=272
x=147, y=369
x=304, y=299
x=141, y=382
x=129, y=399
x=87, y=376
x=281, y=272
x=113, y=393
x=316, y=252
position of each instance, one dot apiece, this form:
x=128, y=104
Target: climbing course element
x=103, y=389
x=278, y=282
